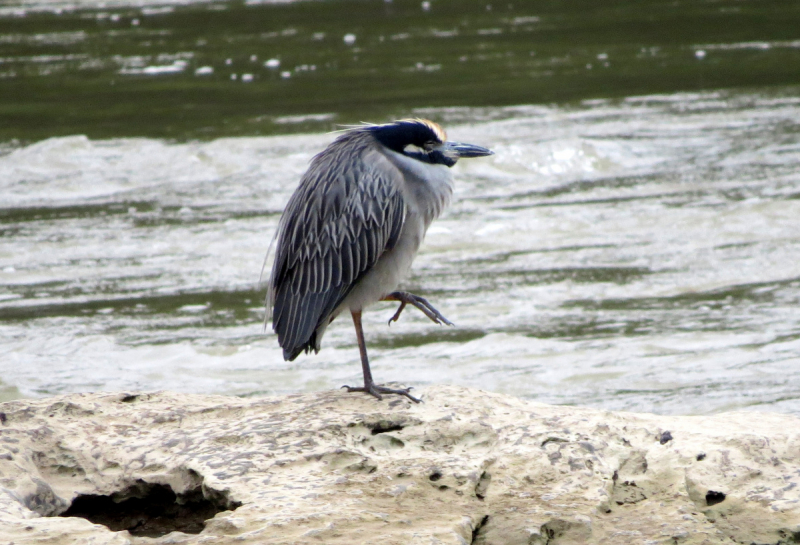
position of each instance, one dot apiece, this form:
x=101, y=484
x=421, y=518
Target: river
x=630, y=246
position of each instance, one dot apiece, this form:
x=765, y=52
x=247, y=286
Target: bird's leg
x=362, y=349
x=421, y=303
x=369, y=385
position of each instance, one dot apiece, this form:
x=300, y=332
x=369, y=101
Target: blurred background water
x=634, y=243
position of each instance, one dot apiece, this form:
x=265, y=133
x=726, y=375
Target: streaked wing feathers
x=347, y=211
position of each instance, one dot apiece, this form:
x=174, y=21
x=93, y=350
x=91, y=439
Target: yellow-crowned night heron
x=352, y=228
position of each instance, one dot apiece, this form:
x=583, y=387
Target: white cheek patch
x=411, y=148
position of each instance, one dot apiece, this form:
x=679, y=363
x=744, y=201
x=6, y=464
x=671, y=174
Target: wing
x=347, y=211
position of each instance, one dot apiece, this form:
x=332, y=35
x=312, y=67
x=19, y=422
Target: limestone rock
x=465, y=466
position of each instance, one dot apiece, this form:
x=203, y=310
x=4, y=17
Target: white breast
x=427, y=187
x=427, y=190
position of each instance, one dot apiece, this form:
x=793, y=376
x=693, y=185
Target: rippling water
x=639, y=254
x=186, y=69
x=632, y=253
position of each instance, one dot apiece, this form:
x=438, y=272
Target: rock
x=465, y=466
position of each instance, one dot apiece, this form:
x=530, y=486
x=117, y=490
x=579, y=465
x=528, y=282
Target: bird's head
x=425, y=141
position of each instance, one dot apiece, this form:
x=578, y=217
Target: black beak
x=466, y=151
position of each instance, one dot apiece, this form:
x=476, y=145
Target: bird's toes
x=399, y=391
x=376, y=391
x=442, y=320
x=371, y=390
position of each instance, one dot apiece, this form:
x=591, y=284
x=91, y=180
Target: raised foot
x=375, y=390
x=421, y=303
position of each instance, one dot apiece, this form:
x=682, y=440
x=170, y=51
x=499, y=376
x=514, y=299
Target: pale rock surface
x=465, y=466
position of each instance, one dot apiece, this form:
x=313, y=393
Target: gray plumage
x=351, y=229
x=335, y=227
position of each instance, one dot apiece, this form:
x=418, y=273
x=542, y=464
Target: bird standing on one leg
x=352, y=228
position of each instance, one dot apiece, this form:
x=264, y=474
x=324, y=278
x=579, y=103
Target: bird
x=352, y=228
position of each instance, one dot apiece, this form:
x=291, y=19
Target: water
x=637, y=252
x=641, y=254
x=197, y=70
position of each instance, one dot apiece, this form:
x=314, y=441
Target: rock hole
x=478, y=528
x=129, y=398
x=554, y=440
x=384, y=427
x=665, y=438
x=790, y=535
x=701, y=456
x=483, y=485
x=435, y=476
x=713, y=498
x=151, y=510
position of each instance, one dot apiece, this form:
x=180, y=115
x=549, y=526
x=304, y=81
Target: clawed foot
x=375, y=390
x=421, y=303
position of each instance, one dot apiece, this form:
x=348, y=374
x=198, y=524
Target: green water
x=131, y=71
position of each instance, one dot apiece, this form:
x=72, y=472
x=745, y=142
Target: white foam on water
x=19, y=8
x=74, y=168
x=640, y=254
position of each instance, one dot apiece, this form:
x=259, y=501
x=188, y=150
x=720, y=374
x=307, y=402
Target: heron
x=352, y=228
